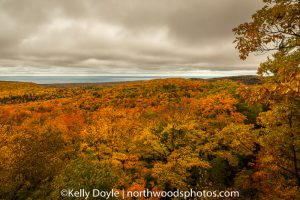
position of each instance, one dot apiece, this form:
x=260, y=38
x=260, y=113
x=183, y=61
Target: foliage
x=275, y=28
x=163, y=134
x=160, y=135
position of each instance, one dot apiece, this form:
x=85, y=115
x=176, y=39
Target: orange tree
x=276, y=29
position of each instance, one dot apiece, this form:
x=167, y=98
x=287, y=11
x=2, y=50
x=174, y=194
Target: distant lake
x=87, y=79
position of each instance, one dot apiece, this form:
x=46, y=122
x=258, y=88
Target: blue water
x=86, y=79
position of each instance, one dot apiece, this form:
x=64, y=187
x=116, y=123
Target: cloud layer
x=121, y=36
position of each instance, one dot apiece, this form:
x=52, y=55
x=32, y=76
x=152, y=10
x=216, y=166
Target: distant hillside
x=247, y=79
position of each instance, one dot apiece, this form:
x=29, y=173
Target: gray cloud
x=117, y=36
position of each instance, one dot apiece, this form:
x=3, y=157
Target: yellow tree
x=169, y=149
x=108, y=140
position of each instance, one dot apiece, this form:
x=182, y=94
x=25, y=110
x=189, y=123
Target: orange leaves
x=278, y=138
x=159, y=135
x=219, y=103
x=274, y=27
x=218, y=109
x=284, y=85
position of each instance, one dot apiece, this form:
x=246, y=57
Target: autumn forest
x=164, y=134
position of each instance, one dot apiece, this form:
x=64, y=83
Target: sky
x=123, y=37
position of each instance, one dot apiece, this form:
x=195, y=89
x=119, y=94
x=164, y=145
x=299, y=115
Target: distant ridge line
x=245, y=79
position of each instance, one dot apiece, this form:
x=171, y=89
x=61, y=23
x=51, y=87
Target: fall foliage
x=275, y=29
x=159, y=135
x=165, y=134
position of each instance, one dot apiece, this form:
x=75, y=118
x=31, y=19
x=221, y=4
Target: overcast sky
x=90, y=37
